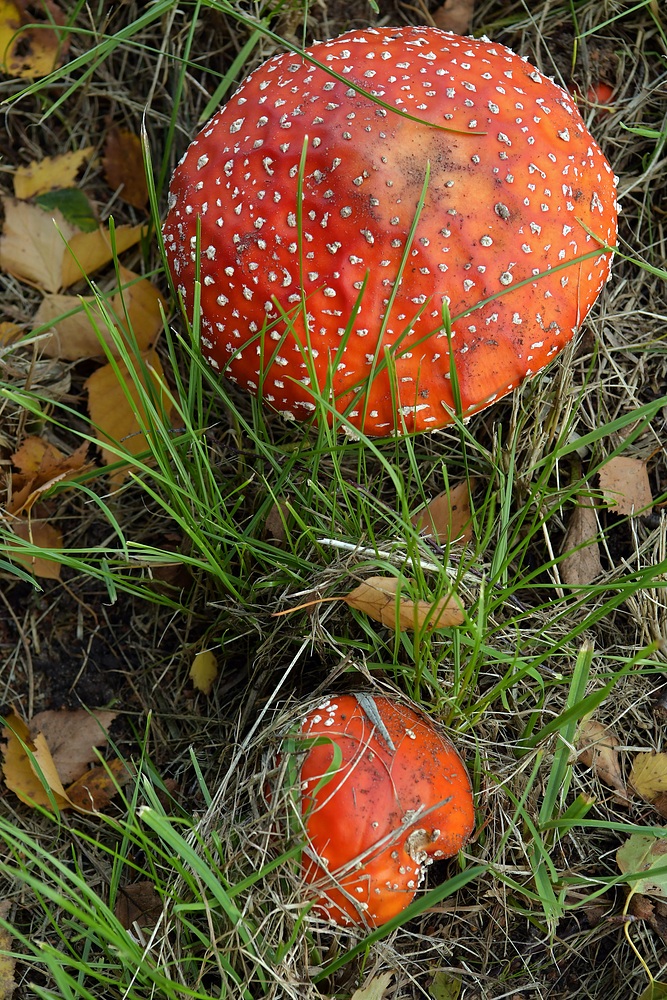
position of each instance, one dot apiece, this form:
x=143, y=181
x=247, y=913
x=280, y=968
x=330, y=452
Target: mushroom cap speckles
x=387, y=811
x=338, y=294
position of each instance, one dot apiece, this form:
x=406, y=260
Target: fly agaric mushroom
x=383, y=795
x=347, y=202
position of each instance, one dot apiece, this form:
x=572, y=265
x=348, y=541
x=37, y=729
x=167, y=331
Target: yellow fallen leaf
x=87, y=252
x=79, y=326
x=41, y=465
x=28, y=767
x=124, y=166
x=44, y=536
x=204, y=670
x=375, y=987
x=648, y=776
x=447, y=517
x=9, y=332
x=379, y=598
x=50, y=173
x=117, y=410
x=29, y=48
x=626, y=486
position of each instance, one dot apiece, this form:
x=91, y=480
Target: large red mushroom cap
x=383, y=795
x=335, y=231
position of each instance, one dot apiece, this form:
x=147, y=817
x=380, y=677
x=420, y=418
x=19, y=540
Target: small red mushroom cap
x=383, y=795
x=336, y=232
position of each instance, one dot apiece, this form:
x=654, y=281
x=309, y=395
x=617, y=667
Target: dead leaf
x=447, y=517
x=9, y=332
x=598, y=750
x=53, y=747
x=7, y=963
x=72, y=736
x=139, y=903
x=80, y=327
x=94, y=790
x=646, y=853
x=116, y=409
x=50, y=173
x=45, y=250
x=31, y=48
x=375, y=987
x=43, y=536
x=626, y=486
x=204, y=670
x=378, y=598
x=648, y=777
x=41, y=466
x=30, y=774
x=124, y=166
x=581, y=563
x=455, y=15
x=87, y=252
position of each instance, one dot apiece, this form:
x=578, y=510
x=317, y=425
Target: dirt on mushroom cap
x=318, y=272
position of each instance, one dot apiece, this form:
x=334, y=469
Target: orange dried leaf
x=117, y=410
x=94, y=790
x=80, y=328
x=447, y=517
x=379, y=598
x=42, y=465
x=43, y=536
x=626, y=486
x=124, y=166
x=50, y=173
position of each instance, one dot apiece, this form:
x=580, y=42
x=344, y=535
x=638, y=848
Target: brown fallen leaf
x=94, y=790
x=80, y=327
x=45, y=250
x=117, y=410
x=598, y=749
x=378, y=597
x=626, y=486
x=50, y=173
x=447, y=517
x=124, y=166
x=581, y=563
x=7, y=962
x=43, y=536
x=72, y=736
x=140, y=903
x=31, y=47
x=648, y=777
x=455, y=15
